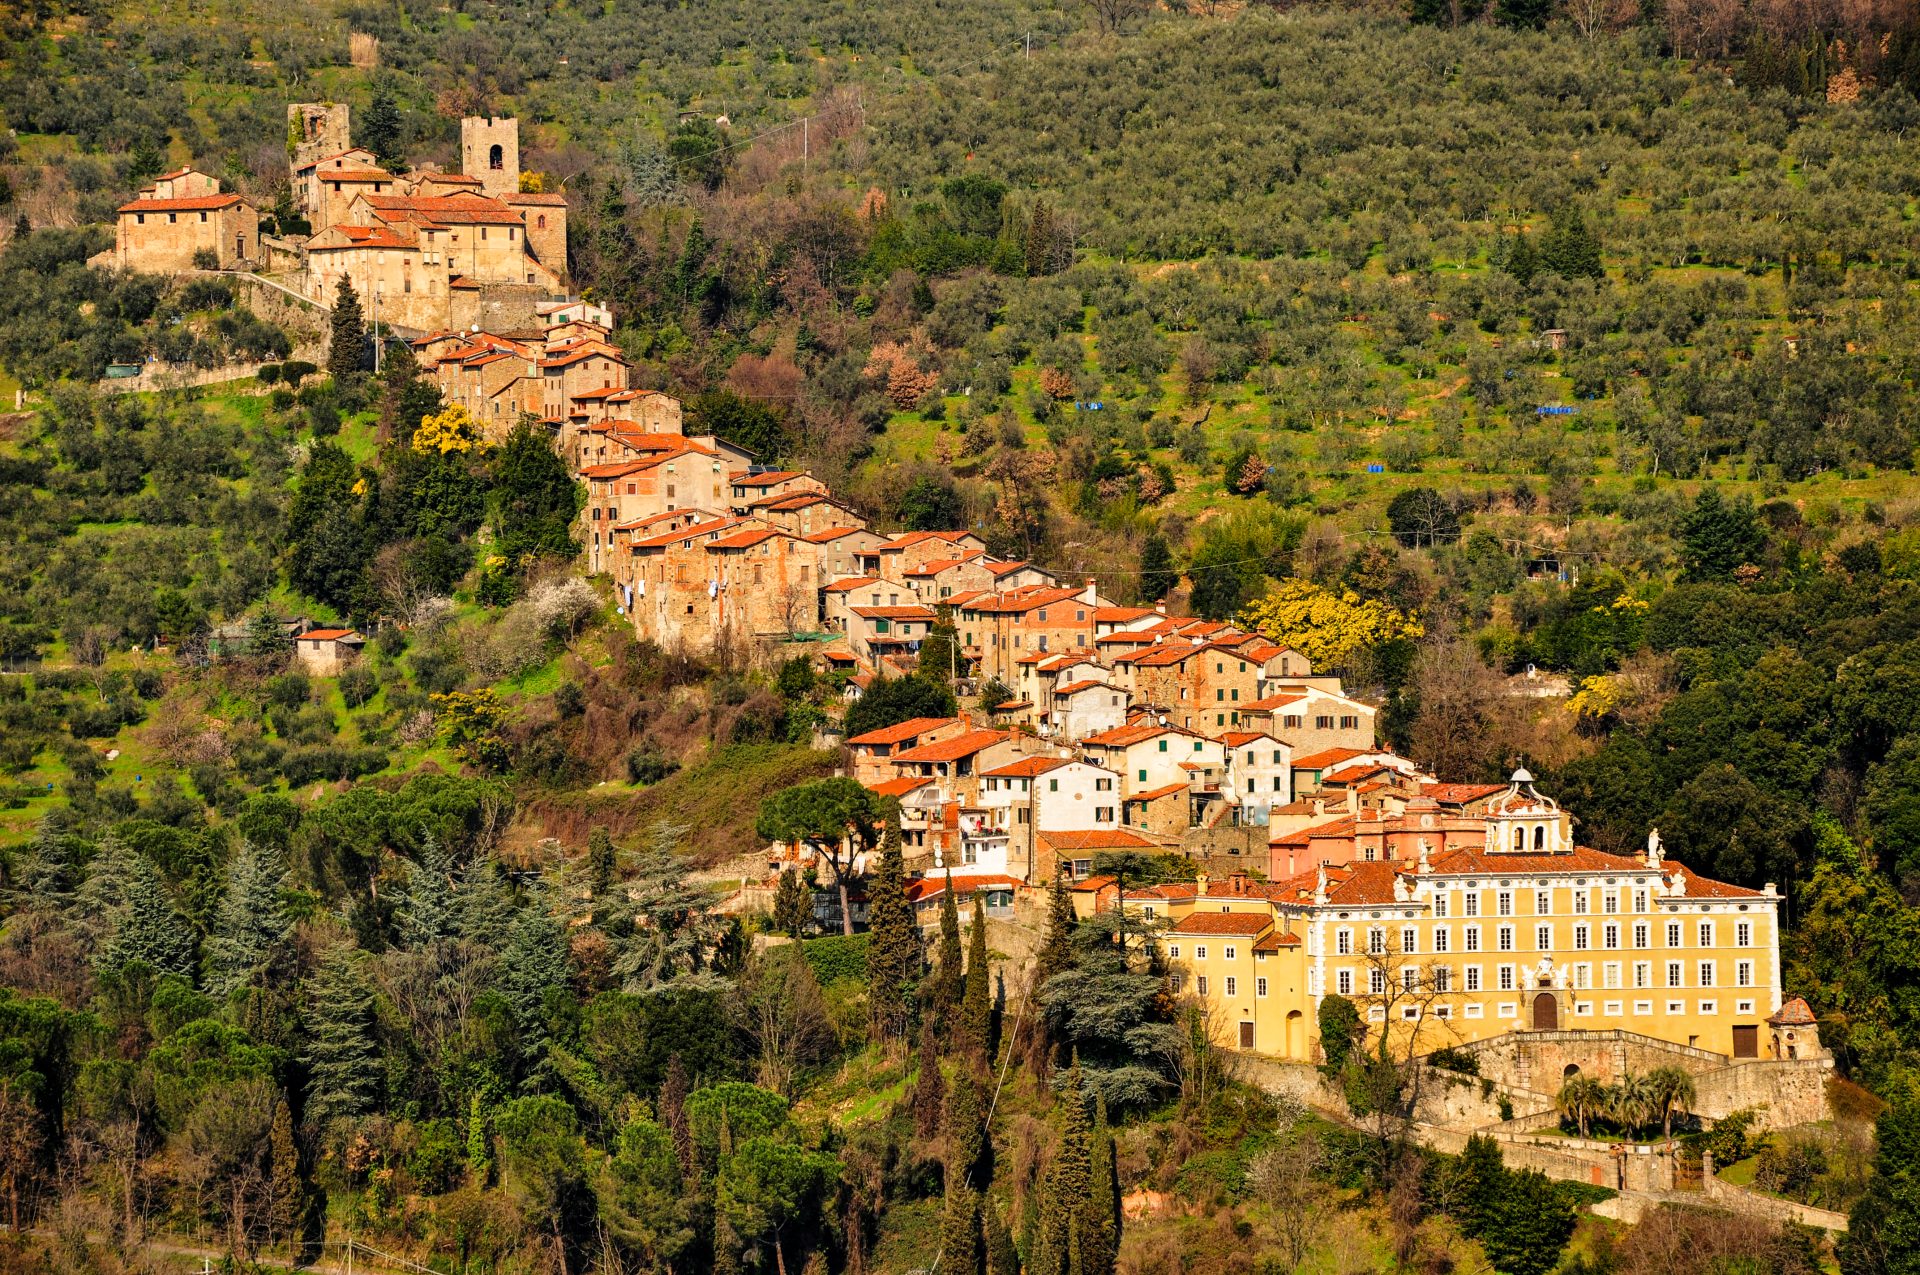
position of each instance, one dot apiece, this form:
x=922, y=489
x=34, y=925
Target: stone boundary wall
x=1786, y=1091
x=1741, y=1200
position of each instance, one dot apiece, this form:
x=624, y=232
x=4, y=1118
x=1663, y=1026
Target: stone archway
x=1546, y=1013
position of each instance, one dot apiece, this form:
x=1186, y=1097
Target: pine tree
x=965, y=1125
x=150, y=930
x=976, y=1003
x=1039, y=247
x=1002, y=1257
x=483, y=911
x=343, y=1062
x=602, y=860
x=406, y=398
x=960, y=1247
x=251, y=922
x=893, y=943
x=427, y=909
x=929, y=1086
x=349, y=347
x=286, y=1188
x=533, y=966
x=1157, y=574
x=793, y=905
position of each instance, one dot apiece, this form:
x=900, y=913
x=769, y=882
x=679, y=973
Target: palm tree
x=1581, y=1099
x=1634, y=1104
x=1672, y=1091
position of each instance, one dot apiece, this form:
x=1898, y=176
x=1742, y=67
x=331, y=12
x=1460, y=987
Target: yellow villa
x=1528, y=933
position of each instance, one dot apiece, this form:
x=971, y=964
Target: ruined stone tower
x=490, y=150
x=316, y=130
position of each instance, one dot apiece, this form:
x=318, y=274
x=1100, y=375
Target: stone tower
x=490, y=150
x=316, y=130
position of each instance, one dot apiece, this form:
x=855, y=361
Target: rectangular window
x=1200, y=953
x=1473, y=938
x=1743, y=934
x=1610, y=902
x=1676, y=1007
x=1643, y=973
x=1743, y=974
x=1503, y=903
x=1409, y=979
x=1709, y=1007
x=1442, y=978
x=1200, y=984
x=1232, y=985
x=1175, y=982
x=1580, y=938
x=1610, y=974
x=1440, y=903
x=1473, y=978
x=1643, y=1007
x=1506, y=938
x=1473, y=903
x=1639, y=900
x=1441, y=940
x=1674, y=978
x=1583, y=975
x=1706, y=973
x=1506, y=978
x=1343, y=942
x=1409, y=940
x=1344, y=981
x=1259, y=987
x=1641, y=934
x=1377, y=982
x=1706, y=934
x=1610, y=935
x=1376, y=941
x=1543, y=938
x=1543, y=902
x=1673, y=934
x=1579, y=902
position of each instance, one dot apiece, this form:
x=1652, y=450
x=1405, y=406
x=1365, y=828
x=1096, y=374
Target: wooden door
x=1746, y=1042
x=1546, y=1013
x=1246, y=1036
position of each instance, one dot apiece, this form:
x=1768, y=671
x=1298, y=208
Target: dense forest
x=1582, y=333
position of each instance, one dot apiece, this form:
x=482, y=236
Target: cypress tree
x=251, y=922
x=1157, y=574
x=976, y=1003
x=151, y=930
x=479, y=1149
x=349, y=347
x=1067, y=1184
x=893, y=943
x=1522, y=262
x=961, y=1251
x=966, y=1128
x=286, y=1188
x=944, y=995
x=405, y=398
x=673, y=1114
x=1002, y=1257
x=343, y=1063
x=1101, y=1237
x=1056, y=952
x=929, y=1086
x=379, y=128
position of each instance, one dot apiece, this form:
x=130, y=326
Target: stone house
x=181, y=216
x=996, y=629
x=956, y=763
x=939, y=581
x=877, y=632
x=1072, y=851
x=915, y=549
x=1084, y=708
x=843, y=548
x=1149, y=756
x=325, y=652
x=1201, y=687
x=874, y=751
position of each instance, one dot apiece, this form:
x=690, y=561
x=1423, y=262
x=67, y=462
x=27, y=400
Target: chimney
x=1090, y=595
x=1201, y=882
x=1161, y=606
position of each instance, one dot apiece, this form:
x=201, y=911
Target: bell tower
x=490, y=151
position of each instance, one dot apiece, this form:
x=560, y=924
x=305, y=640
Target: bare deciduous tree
x=1286, y=1179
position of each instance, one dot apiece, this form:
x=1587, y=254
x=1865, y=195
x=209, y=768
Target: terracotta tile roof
x=1354, y=774
x=911, y=538
x=1794, y=1012
x=1329, y=757
x=945, y=564
x=687, y=534
x=460, y=208
x=1026, y=768
x=954, y=749
x=1006, y=568
x=745, y=478
x=1238, y=738
x=1019, y=601
x=1098, y=839
x=615, y=469
x=1274, y=942
x=745, y=539
x=899, y=787
x=1074, y=688
x=1127, y=637
x=1133, y=733
x=851, y=583
x=1699, y=887
x=1232, y=923
x=899, y=732
x=327, y=635
x=1161, y=655
x=357, y=175
x=1338, y=828
x=1155, y=794
x=189, y=203
x=895, y=613
x=1272, y=702
x=961, y=599
x=1119, y=615
x=933, y=887
x=532, y=199
x=651, y=519
x=1579, y=859
x=1459, y=794
x=830, y=534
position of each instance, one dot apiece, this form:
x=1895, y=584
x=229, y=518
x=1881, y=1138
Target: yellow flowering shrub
x=1326, y=627
x=452, y=430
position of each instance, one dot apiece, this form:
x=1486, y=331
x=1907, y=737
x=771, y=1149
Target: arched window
x=1540, y=837
x=1519, y=838
x=496, y=158
x=541, y=221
